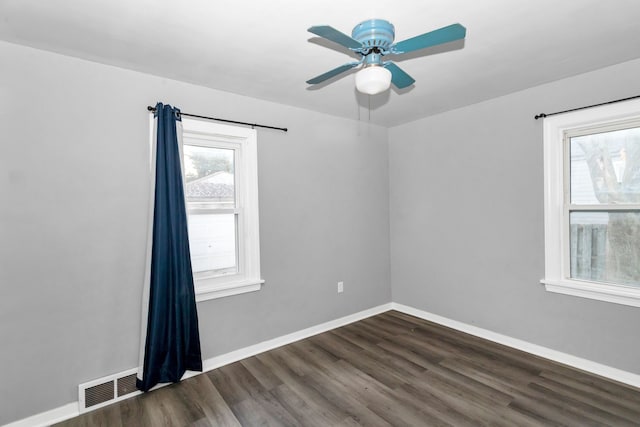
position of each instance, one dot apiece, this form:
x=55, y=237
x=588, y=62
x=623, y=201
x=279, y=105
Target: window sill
x=205, y=293
x=618, y=294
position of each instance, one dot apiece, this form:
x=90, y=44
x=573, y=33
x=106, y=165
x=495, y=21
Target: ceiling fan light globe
x=373, y=80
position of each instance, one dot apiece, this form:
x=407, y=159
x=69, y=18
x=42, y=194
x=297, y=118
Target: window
x=592, y=203
x=221, y=191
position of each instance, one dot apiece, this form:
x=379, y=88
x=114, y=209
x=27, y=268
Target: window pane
x=605, y=246
x=209, y=174
x=212, y=240
x=605, y=168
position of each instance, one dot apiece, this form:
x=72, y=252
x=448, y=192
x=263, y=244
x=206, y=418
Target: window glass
x=605, y=167
x=604, y=241
x=605, y=246
x=210, y=194
x=210, y=175
x=213, y=243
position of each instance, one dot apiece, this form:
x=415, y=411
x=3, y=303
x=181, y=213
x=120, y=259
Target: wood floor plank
x=612, y=409
x=578, y=406
x=131, y=410
x=335, y=345
x=375, y=331
x=308, y=411
x=381, y=399
x=502, y=379
x=393, y=361
x=187, y=404
x=281, y=370
x=262, y=409
x=616, y=394
x=365, y=342
x=434, y=406
x=389, y=327
x=235, y=383
x=420, y=346
x=425, y=361
x=377, y=396
x=296, y=389
x=313, y=354
x=478, y=408
x=342, y=397
x=599, y=385
x=392, y=369
x=545, y=416
x=285, y=356
x=265, y=376
x=467, y=383
x=551, y=413
x=104, y=417
x=356, y=329
x=201, y=392
x=359, y=359
x=462, y=346
x=163, y=408
x=349, y=422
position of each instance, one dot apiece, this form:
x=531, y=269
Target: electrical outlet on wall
x=340, y=287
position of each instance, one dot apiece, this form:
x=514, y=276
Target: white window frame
x=244, y=142
x=556, y=199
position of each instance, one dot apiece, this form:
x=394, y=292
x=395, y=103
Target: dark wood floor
x=388, y=370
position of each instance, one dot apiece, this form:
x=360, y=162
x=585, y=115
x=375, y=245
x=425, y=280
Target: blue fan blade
x=336, y=36
x=334, y=72
x=433, y=38
x=399, y=78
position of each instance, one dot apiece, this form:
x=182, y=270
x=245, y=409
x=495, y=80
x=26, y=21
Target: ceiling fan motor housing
x=374, y=33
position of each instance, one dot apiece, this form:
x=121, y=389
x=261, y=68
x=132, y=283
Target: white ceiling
x=262, y=49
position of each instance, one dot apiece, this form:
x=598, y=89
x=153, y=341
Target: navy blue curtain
x=172, y=344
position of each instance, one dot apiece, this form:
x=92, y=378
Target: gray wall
x=461, y=192
x=74, y=186
x=466, y=211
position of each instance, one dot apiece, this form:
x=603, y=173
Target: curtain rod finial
x=540, y=116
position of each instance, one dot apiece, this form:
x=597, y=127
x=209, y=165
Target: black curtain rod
x=255, y=125
x=542, y=115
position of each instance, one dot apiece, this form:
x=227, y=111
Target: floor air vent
x=98, y=394
x=126, y=385
x=104, y=391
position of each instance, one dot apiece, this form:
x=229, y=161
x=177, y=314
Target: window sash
x=211, y=274
x=569, y=207
x=243, y=142
x=557, y=204
x=603, y=208
x=586, y=131
x=208, y=207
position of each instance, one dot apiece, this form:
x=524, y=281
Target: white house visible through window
x=221, y=191
x=592, y=203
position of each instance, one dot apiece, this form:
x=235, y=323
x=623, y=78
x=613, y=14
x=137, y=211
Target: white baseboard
x=547, y=353
x=252, y=350
x=71, y=410
x=47, y=418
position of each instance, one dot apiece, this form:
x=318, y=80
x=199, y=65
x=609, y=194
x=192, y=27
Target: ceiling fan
x=372, y=40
